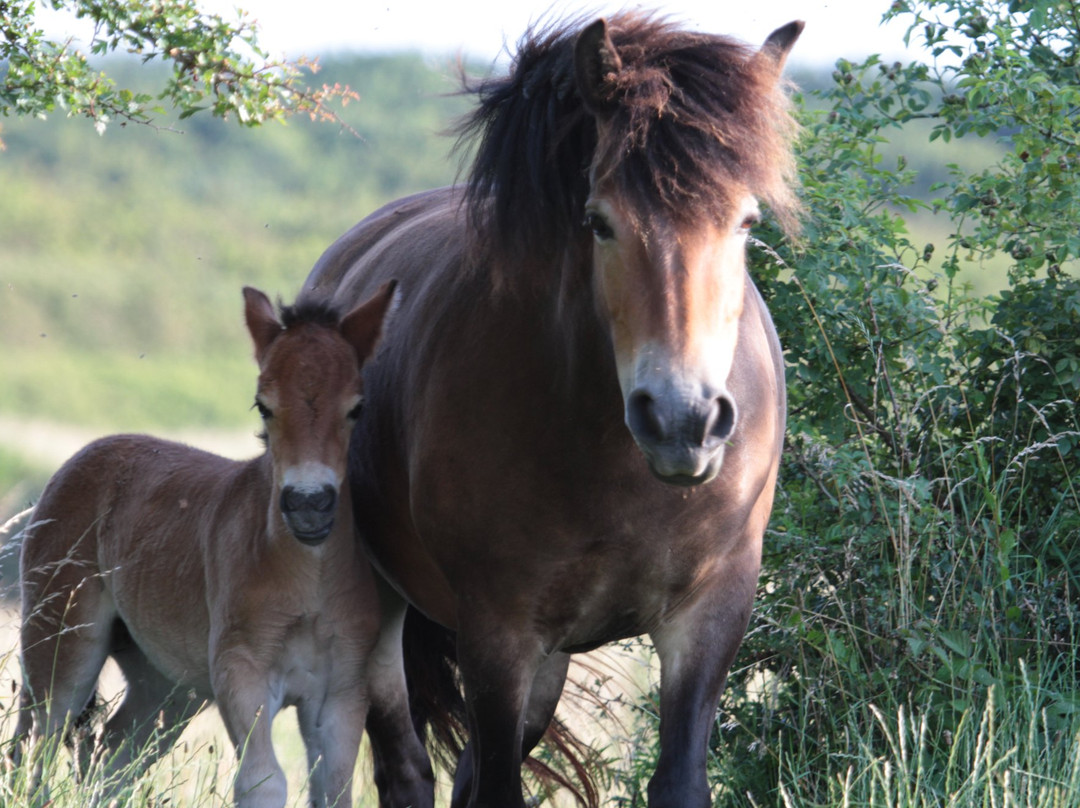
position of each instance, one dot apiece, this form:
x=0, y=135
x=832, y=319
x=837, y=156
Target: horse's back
x=403, y=240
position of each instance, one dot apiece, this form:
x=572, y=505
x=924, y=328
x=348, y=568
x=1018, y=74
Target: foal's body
x=208, y=579
x=195, y=605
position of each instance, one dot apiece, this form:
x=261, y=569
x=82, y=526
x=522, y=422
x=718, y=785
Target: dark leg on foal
x=696, y=649
x=543, y=699
x=403, y=772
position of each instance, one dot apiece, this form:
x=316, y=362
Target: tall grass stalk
x=1004, y=753
x=196, y=772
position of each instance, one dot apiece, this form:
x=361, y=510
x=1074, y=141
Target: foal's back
x=127, y=516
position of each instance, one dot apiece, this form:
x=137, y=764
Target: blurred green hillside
x=122, y=255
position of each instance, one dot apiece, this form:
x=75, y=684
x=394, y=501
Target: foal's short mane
x=309, y=312
x=697, y=120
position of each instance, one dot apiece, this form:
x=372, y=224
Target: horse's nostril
x=643, y=417
x=721, y=419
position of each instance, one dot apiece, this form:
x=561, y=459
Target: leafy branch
x=218, y=66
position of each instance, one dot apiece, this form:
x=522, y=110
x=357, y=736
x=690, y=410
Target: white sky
x=481, y=28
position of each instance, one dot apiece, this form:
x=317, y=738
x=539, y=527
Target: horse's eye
x=599, y=226
x=354, y=413
x=749, y=222
x=264, y=411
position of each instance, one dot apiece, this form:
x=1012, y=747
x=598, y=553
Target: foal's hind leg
x=64, y=639
x=152, y=714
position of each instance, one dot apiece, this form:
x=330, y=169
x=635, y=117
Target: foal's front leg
x=332, y=728
x=243, y=695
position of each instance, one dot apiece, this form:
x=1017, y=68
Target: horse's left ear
x=596, y=63
x=778, y=43
x=363, y=326
x=262, y=321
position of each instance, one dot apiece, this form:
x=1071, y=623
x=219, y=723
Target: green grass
x=197, y=772
x=1012, y=748
x=130, y=390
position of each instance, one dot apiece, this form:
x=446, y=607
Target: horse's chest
x=621, y=582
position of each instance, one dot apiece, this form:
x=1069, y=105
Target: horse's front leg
x=544, y=697
x=403, y=772
x=696, y=647
x=498, y=666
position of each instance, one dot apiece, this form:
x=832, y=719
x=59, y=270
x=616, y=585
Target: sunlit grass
x=196, y=772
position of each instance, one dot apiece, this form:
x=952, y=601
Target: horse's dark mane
x=697, y=120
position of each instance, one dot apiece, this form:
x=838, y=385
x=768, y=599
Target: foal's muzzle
x=309, y=512
x=682, y=437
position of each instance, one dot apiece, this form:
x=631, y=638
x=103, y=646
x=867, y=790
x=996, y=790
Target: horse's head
x=310, y=394
x=686, y=145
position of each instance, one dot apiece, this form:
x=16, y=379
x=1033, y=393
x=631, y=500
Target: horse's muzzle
x=309, y=512
x=682, y=438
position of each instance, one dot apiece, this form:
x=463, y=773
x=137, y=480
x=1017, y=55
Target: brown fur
x=184, y=567
x=573, y=437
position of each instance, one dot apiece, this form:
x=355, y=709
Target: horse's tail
x=435, y=698
x=439, y=714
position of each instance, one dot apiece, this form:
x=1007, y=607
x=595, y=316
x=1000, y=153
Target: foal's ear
x=778, y=44
x=262, y=322
x=596, y=63
x=363, y=326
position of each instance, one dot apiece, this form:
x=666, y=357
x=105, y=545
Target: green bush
x=918, y=592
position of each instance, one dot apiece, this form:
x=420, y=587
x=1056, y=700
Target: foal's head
x=310, y=394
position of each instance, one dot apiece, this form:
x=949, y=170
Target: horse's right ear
x=262, y=321
x=363, y=326
x=596, y=64
x=778, y=44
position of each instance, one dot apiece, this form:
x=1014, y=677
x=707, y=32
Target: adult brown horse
x=212, y=579
x=574, y=430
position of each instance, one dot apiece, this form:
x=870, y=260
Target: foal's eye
x=354, y=413
x=599, y=226
x=264, y=411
